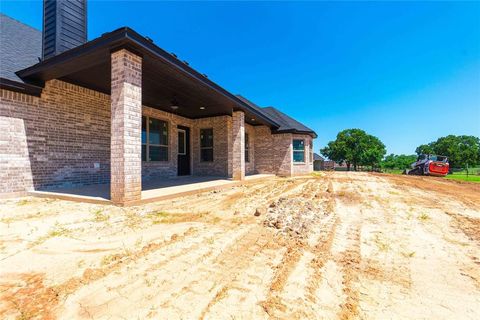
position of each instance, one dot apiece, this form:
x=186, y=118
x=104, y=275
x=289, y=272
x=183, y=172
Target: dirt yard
x=334, y=246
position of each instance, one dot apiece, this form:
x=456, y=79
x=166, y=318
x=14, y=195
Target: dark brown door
x=183, y=151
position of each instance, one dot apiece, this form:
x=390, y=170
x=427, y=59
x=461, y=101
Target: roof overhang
x=293, y=131
x=164, y=77
x=20, y=87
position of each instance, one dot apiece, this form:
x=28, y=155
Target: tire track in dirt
x=237, y=258
x=221, y=270
x=253, y=200
x=36, y=299
x=349, y=257
x=159, y=268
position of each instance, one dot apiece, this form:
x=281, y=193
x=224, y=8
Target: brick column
x=126, y=115
x=238, y=145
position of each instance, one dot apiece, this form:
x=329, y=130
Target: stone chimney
x=64, y=26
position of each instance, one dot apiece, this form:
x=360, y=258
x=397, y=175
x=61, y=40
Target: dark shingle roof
x=287, y=123
x=20, y=47
x=316, y=157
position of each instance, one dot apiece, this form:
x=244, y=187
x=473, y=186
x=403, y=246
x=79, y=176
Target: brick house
x=120, y=110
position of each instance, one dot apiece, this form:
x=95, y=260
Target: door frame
x=188, y=148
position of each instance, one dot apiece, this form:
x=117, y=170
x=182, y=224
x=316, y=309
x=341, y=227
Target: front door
x=183, y=151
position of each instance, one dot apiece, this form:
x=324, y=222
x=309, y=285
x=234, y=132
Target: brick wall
x=221, y=164
x=273, y=153
x=66, y=131
x=238, y=145
x=282, y=154
x=263, y=150
x=250, y=165
x=56, y=140
x=15, y=171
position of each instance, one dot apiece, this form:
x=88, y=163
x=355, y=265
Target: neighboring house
x=328, y=165
x=318, y=161
x=118, y=109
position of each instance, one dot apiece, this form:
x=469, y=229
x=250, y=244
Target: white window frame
x=148, y=144
x=293, y=152
x=184, y=142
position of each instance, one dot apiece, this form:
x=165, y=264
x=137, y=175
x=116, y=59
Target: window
x=206, y=144
x=298, y=150
x=247, y=148
x=154, y=139
x=311, y=151
x=182, y=142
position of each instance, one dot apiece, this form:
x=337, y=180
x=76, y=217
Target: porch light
x=174, y=105
x=202, y=108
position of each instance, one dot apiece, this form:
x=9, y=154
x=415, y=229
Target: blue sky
x=407, y=72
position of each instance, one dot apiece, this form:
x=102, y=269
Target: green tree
x=355, y=147
x=424, y=149
x=373, y=153
x=401, y=161
x=461, y=151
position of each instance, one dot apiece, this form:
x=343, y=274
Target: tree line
x=355, y=148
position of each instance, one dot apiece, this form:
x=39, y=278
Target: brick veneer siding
x=66, y=131
x=250, y=165
x=220, y=166
x=238, y=145
x=263, y=150
x=15, y=171
x=274, y=153
x=126, y=115
x=282, y=154
x=55, y=140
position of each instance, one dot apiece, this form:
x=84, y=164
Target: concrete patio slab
x=151, y=190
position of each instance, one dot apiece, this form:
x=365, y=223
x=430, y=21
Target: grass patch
x=464, y=177
x=381, y=244
x=23, y=202
x=109, y=259
x=408, y=254
x=393, y=171
x=461, y=175
x=158, y=217
x=99, y=216
x=58, y=231
x=423, y=217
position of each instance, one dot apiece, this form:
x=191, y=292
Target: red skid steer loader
x=429, y=165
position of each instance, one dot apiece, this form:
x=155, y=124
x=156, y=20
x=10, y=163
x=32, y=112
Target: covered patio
x=151, y=190
x=141, y=78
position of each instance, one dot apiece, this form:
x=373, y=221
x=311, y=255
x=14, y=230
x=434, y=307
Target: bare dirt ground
x=334, y=246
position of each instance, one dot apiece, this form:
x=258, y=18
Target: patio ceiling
x=165, y=78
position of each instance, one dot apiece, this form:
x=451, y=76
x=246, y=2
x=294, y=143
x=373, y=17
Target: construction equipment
x=430, y=165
